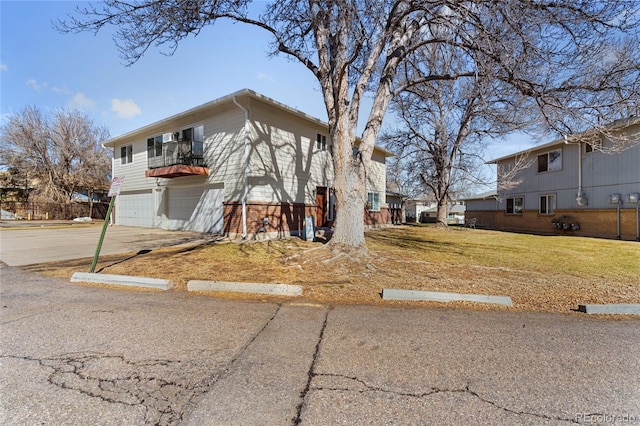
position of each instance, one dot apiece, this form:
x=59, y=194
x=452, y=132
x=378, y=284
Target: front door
x=321, y=205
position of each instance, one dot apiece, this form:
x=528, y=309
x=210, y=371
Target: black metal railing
x=190, y=153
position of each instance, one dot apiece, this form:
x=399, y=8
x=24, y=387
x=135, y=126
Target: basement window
x=373, y=201
x=515, y=205
x=547, y=204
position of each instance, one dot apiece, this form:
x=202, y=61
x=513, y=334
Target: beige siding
x=224, y=151
x=133, y=173
x=285, y=165
x=376, y=177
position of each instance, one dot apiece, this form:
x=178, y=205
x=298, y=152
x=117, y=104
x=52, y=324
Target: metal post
x=104, y=231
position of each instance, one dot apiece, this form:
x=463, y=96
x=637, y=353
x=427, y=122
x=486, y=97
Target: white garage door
x=195, y=209
x=135, y=209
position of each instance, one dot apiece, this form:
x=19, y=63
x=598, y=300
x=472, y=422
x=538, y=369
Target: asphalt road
x=81, y=355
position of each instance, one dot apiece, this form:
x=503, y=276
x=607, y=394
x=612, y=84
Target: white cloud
x=62, y=89
x=125, y=108
x=80, y=100
x=35, y=85
x=263, y=76
x=4, y=67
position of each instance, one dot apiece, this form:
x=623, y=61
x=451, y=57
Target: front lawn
x=539, y=273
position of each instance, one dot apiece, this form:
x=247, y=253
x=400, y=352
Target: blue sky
x=43, y=68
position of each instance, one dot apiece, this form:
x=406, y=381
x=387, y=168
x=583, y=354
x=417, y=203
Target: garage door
x=135, y=209
x=195, y=209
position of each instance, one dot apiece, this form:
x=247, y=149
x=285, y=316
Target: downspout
x=246, y=168
x=580, y=196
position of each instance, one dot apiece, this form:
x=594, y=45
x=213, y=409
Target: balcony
x=176, y=159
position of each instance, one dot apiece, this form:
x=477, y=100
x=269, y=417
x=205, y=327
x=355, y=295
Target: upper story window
x=154, y=146
x=126, y=154
x=321, y=142
x=550, y=161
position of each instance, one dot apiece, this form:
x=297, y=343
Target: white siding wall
x=285, y=165
x=224, y=151
x=377, y=177
x=133, y=173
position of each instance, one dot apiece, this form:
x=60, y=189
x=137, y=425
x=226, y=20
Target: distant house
x=397, y=208
x=415, y=208
x=572, y=188
x=238, y=165
x=455, y=213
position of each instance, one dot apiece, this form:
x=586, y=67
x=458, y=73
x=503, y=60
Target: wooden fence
x=52, y=211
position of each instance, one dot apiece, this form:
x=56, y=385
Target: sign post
x=114, y=191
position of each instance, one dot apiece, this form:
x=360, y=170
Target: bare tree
x=445, y=124
x=354, y=47
x=62, y=154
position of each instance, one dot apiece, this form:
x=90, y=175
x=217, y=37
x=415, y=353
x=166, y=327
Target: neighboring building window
x=550, y=161
x=515, y=205
x=154, y=147
x=126, y=154
x=321, y=142
x=373, y=201
x=588, y=148
x=547, y=204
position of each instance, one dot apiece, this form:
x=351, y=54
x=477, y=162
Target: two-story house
x=568, y=187
x=238, y=165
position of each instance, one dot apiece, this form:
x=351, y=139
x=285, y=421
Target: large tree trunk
x=441, y=215
x=349, y=189
x=349, y=226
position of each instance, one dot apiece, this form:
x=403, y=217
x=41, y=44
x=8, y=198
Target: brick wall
x=593, y=223
x=284, y=219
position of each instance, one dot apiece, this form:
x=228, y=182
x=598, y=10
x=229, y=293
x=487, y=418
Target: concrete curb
x=274, y=289
x=610, y=309
x=395, y=294
x=125, y=280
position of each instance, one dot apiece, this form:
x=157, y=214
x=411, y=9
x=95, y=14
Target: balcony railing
x=188, y=153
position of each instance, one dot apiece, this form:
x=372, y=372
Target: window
x=515, y=205
x=154, y=147
x=588, y=148
x=547, y=204
x=126, y=154
x=321, y=142
x=373, y=201
x=550, y=161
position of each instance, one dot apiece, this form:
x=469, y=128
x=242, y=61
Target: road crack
x=367, y=388
x=311, y=373
x=162, y=387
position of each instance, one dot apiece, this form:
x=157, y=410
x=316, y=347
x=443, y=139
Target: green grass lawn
x=607, y=259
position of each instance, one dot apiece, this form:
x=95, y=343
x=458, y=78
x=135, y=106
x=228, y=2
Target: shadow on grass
x=141, y=252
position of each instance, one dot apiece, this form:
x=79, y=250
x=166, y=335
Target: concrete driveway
x=29, y=243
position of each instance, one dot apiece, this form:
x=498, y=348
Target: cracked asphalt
x=81, y=355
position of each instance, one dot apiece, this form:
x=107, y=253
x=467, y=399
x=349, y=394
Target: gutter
x=246, y=167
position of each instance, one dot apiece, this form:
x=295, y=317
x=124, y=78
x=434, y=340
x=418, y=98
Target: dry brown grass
x=539, y=273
